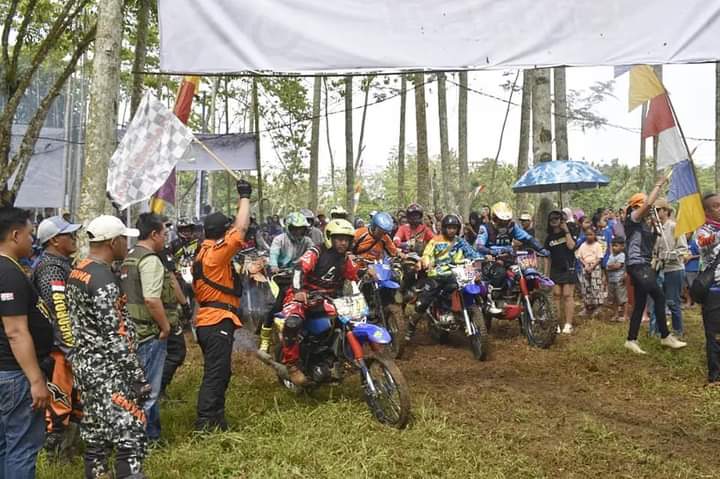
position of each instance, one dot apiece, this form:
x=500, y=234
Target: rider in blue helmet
x=373, y=242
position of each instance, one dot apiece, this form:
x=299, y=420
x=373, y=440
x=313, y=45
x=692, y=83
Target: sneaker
x=634, y=347
x=568, y=329
x=672, y=342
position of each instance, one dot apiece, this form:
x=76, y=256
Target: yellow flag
x=691, y=214
x=644, y=86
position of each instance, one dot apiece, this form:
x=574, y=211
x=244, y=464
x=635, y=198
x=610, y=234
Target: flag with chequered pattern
x=154, y=142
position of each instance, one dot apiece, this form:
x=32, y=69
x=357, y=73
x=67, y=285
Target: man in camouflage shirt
x=104, y=360
x=57, y=237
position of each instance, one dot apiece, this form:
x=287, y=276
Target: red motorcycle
x=518, y=291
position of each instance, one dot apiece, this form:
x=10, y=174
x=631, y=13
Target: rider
x=373, y=242
x=285, y=252
x=441, y=253
x=315, y=234
x=414, y=235
x=322, y=269
x=501, y=230
x=338, y=213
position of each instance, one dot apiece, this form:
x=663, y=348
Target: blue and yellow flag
x=684, y=190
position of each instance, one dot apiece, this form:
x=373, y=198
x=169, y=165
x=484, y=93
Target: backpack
x=700, y=287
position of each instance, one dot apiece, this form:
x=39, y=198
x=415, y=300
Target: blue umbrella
x=559, y=176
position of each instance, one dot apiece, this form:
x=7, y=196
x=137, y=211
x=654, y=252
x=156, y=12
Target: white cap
x=53, y=226
x=107, y=227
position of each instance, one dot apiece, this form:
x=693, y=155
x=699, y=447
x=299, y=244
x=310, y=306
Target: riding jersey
x=489, y=235
x=708, y=240
x=409, y=237
x=285, y=251
x=49, y=278
x=365, y=245
x=324, y=270
x=441, y=254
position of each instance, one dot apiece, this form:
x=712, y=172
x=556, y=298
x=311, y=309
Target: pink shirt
x=590, y=253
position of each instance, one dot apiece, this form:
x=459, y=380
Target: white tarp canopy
x=44, y=183
x=222, y=36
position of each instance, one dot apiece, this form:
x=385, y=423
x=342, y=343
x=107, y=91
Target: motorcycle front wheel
x=479, y=342
x=394, y=321
x=541, y=332
x=390, y=403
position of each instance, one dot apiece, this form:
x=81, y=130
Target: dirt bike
x=517, y=290
x=380, y=288
x=331, y=347
x=456, y=308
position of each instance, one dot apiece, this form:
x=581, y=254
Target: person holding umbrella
x=639, y=245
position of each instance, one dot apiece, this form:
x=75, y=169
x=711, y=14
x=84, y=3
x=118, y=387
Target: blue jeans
x=151, y=355
x=672, y=285
x=22, y=430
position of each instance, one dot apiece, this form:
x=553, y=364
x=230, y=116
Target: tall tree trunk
x=349, y=158
x=444, y=148
x=642, y=169
x=561, y=111
x=361, y=147
x=101, y=128
x=258, y=158
x=542, y=139
x=141, y=38
x=327, y=137
x=401, y=143
x=423, y=163
x=717, y=126
x=524, y=148
x=462, y=146
x=315, y=143
x=659, y=73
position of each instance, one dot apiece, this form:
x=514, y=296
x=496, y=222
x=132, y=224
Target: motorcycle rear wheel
x=391, y=403
x=541, y=332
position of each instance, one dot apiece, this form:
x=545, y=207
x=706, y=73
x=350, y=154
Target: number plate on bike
x=353, y=308
x=527, y=260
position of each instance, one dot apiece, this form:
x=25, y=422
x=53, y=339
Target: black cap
x=217, y=222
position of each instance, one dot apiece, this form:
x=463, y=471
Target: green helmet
x=296, y=220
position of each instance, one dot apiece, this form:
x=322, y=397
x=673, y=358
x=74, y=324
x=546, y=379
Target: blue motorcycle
x=333, y=345
x=456, y=308
x=380, y=290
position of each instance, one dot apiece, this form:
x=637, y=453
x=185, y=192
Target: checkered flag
x=153, y=144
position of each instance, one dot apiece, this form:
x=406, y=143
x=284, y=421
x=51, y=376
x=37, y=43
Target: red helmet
x=414, y=208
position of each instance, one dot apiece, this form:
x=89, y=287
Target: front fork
x=470, y=329
x=359, y=360
x=526, y=298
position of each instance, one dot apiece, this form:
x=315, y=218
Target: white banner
x=152, y=145
x=220, y=36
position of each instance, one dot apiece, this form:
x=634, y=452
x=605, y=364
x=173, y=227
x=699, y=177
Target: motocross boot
x=412, y=326
x=296, y=376
x=265, y=333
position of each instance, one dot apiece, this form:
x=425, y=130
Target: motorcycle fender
x=389, y=284
x=370, y=333
x=472, y=289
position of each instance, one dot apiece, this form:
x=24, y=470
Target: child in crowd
x=617, y=292
x=590, y=255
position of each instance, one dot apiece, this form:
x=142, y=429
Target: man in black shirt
x=26, y=336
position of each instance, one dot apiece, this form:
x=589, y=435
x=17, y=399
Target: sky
x=691, y=87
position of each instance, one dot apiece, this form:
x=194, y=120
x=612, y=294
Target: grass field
x=584, y=408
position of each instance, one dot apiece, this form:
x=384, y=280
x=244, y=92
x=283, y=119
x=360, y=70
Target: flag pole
x=217, y=159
